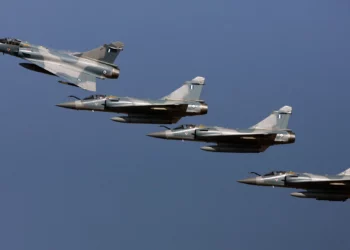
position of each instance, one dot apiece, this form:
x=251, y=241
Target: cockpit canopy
x=184, y=126
x=10, y=41
x=274, y=173
x=95, y=97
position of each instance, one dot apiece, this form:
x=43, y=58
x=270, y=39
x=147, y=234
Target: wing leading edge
x=72, y=77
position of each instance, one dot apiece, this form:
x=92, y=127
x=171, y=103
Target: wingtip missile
x=119, y=119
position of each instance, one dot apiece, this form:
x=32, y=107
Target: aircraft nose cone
x=250, y=181
x=161, y=134
x=67, y=105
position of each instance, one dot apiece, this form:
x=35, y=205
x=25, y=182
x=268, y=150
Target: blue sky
x=76, y=180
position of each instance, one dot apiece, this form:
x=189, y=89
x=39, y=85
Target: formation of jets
x=81, y=69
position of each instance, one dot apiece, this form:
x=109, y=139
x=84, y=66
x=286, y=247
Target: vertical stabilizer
x=106, y=53
x=189, y=91
x=277, y=120
x=346, y=172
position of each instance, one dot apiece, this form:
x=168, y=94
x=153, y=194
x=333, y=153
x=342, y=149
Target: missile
x=227, y=149
x=321, y=196
x=148, y=120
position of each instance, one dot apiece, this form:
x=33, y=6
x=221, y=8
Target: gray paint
x=319, y=187
x=184, y=101
x=77, y=69
x=271, y=131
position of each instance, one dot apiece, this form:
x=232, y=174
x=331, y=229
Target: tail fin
x=106, y=53
x=277, y=120
x=190, y=90
x=346, y=172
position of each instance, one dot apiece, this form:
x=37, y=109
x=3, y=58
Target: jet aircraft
x=77, y=69
x=270, y=131
x=319, y=187
x=184, y=101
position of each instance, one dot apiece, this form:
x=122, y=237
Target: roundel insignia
x=8, y=49
x=104, y=72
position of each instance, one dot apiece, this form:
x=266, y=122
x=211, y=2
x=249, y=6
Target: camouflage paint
x=78, y=69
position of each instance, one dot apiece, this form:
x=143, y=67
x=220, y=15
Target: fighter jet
x=270, y=131
x=319, y=187
x=184, y=101
x=77, y=69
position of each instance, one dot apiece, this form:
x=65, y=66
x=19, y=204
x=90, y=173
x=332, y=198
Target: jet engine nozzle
x=291, y=137
x=203, y=109
x=115, y=73
x=285, y=137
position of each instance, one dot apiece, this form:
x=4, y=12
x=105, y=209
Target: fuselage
x=320, y=187
x=222, y=135
x=139, y=110
x=59, y=60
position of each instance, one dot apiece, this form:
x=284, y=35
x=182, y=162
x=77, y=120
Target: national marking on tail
x=277, y=120
x=189, y=91
x=106, y=53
